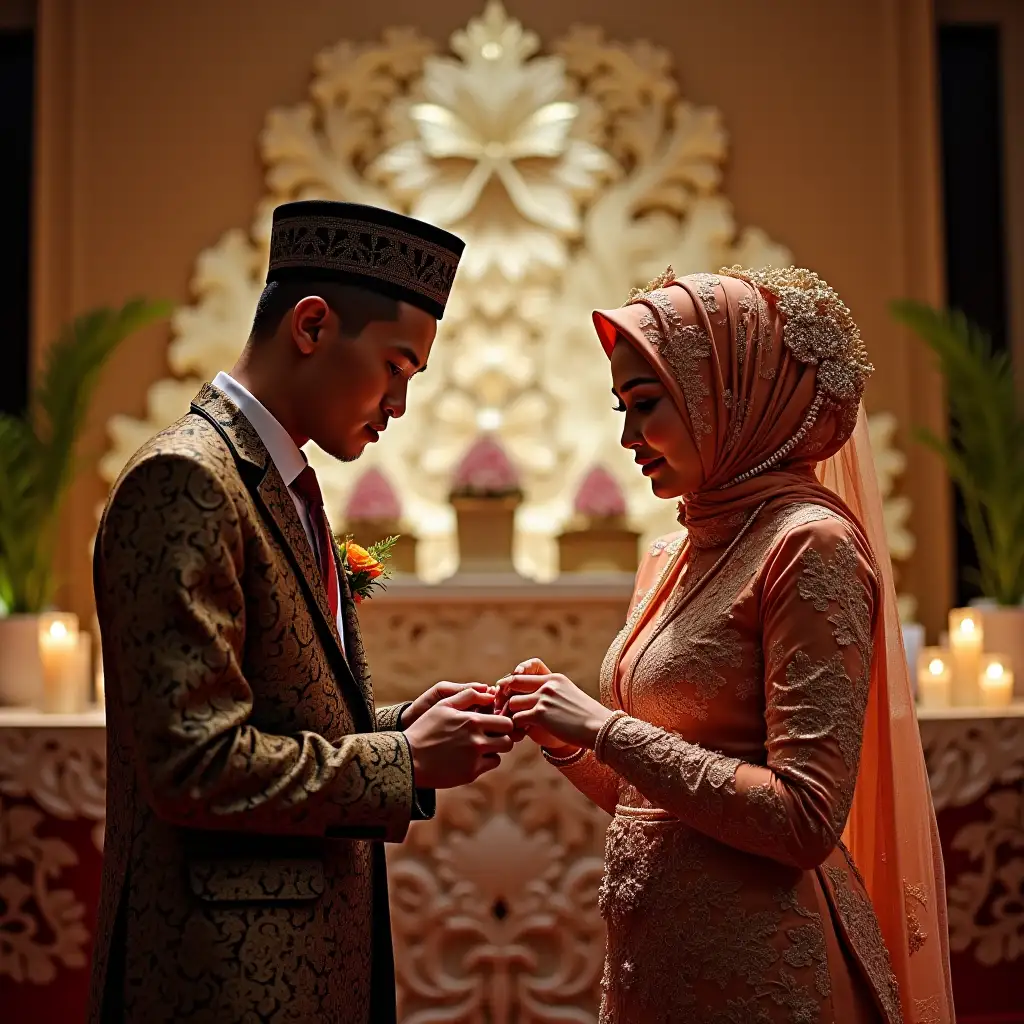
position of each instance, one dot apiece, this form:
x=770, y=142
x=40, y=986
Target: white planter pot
x=21, y=672
x=1004, y=634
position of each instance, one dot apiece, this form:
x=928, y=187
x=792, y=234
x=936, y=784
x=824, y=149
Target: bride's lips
x=649, y=466
x=374, y=432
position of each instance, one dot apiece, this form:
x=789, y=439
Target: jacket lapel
x=354, y=649
x=271, y=496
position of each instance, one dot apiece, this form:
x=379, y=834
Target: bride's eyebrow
x=634, y=382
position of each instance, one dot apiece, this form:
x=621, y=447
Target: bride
x=773, y=855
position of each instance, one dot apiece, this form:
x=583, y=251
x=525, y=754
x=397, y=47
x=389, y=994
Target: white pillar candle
x=966, y=641
x=934, y=678
x=61, y=661
x=995, y=681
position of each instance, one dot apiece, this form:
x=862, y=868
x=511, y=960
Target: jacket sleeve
x=389, y=719
x=819, y=593
x=169, y=565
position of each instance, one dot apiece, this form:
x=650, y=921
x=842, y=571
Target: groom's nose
x=394, y=402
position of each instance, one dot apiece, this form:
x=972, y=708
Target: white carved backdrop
x=575, y=172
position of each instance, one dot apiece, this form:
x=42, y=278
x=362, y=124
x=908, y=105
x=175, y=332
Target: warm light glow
x=491, y=51
x=58, y=630
x=936, y=667
x=994, y=671
x=488, y=419
x=967, y=626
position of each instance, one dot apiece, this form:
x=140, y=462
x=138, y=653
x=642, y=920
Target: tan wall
x=149, y=116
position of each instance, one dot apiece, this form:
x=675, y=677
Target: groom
x=250, y=778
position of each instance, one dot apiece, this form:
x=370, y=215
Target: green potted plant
x=37, y=465
x=984, y=455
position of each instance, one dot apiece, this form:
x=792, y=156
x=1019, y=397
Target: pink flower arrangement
x=486, y=472
x=373, y=498
x=599, y=496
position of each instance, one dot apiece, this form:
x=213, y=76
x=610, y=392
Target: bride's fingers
x=532, y=667
x=522, y=683
x=521, y=703
x=525, y=719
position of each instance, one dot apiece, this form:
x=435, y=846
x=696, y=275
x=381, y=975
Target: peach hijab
x=767, y=369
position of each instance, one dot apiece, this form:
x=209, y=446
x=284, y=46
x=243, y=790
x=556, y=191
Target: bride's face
x=653, y=430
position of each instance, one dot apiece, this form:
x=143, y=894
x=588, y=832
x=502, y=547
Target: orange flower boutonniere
x=365, y=567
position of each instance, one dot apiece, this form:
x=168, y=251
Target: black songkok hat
x=385, y=252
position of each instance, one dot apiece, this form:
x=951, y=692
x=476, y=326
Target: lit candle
x=934, y=678
x=995, y=681
x=966, y=640
x=61, y=661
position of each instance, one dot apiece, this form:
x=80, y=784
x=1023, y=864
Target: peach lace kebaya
x=766, y=699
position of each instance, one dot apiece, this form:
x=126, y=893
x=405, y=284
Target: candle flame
x=936, y=667
x=967, y=625
x=58, y=630
x=994, y=671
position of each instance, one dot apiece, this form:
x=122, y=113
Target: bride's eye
x=621, y=407
x=645, y=404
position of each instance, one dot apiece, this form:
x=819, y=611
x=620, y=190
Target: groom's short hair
x=354, y=307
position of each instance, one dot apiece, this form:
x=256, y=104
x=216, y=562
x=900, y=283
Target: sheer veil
x=891, y=831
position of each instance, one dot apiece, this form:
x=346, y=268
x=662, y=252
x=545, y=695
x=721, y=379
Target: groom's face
x=356, y=378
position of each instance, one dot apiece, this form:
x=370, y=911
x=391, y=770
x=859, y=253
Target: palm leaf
x=37, y=454
x=984, y=453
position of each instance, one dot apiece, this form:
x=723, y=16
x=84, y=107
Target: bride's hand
x=551, y=708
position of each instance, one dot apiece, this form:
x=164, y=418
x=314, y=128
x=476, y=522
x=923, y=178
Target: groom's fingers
x=465, y=698
x=495, y=725
x=447, y=689
x=497, y=744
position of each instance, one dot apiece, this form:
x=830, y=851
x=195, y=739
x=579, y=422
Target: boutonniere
x=365, y=567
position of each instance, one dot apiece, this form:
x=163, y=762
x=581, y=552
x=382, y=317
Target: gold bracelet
x=602, y=733
x=562, y=762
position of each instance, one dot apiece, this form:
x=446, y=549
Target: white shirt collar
x=284, y=452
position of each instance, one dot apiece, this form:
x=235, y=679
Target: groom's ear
x=307, y=321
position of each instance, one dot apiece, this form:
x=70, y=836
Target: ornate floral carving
x=494, y=902
x=64, y=772
x=986, y=906
x=416, y=635
x=573, y=173
x=40, y=925
x=967, y=757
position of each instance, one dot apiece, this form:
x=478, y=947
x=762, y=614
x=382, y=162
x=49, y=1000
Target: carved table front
x=494, y=901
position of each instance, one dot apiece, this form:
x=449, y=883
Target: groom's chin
x=347, y=453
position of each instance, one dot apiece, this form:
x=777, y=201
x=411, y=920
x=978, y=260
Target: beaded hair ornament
x=818, y=329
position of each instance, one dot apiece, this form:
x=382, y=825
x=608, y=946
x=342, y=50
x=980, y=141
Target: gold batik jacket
x=250, y=778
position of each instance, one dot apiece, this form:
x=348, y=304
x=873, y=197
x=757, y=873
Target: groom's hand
x=452, y=745
x=440, y=691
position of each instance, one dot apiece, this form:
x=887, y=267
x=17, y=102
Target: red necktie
x=309, y=489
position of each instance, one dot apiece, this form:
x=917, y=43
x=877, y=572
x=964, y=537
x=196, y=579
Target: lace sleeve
x=819, y=592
